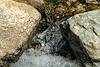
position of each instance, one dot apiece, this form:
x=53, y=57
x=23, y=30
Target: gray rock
x=51, y=38
x=87, y=27
x=18, y=23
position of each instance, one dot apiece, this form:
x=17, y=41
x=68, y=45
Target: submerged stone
x=63, y=8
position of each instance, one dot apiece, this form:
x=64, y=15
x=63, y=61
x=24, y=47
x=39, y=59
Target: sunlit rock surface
x=87, y=27
x=18, y=23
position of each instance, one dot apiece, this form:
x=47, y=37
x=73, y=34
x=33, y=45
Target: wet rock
x=86, y=27
x=54, y=42
x=51, y=38
x=18, y=23
x=54, y=46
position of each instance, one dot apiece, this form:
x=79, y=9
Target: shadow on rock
x=74, y=46
x=59, y=40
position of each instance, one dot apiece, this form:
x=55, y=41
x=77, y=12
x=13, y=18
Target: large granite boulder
x=87, y=27
x=18, y=23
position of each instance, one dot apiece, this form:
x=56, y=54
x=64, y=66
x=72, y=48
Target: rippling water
x=35, y=58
